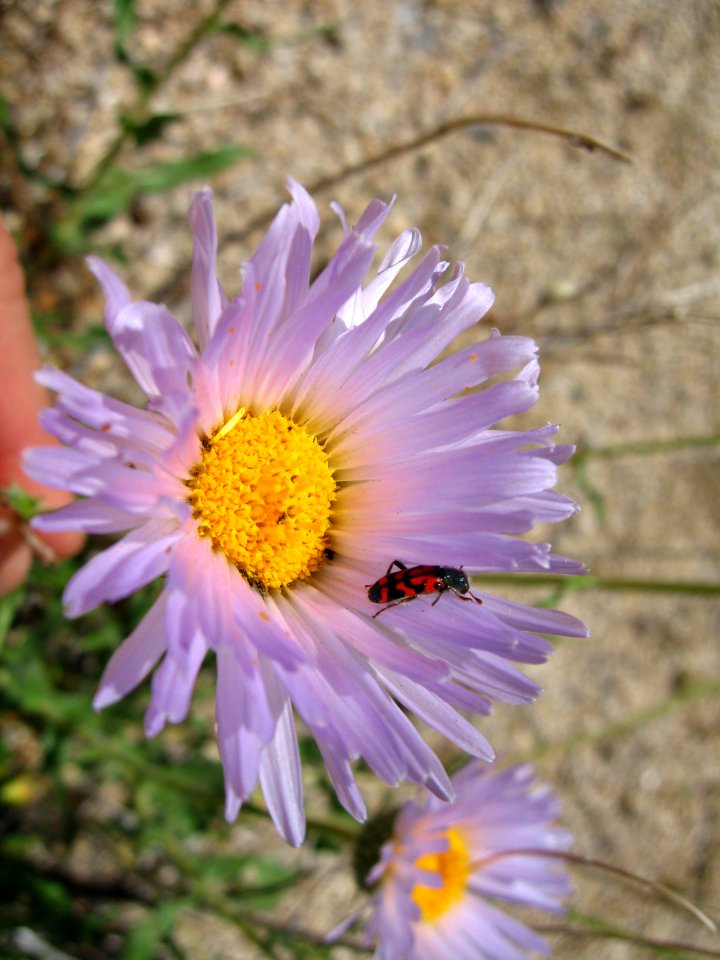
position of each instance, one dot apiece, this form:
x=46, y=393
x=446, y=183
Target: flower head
x=280, y=465
x=446, y=865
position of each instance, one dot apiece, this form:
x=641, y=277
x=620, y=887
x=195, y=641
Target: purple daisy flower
x=280, y=465
x=445, y=866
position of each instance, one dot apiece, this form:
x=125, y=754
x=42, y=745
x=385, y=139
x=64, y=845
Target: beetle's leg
x=467, y=596
x=395, y=563
x=395, y=603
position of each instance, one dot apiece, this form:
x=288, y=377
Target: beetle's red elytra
x=408, y=583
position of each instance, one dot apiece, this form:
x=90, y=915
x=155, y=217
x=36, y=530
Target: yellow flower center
x=454, y=868
x=263, y=492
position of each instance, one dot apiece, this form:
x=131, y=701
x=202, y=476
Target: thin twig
x=668, y=945
x=643, y=447
x=573, y=137
x=592, y=582
x=580, y=860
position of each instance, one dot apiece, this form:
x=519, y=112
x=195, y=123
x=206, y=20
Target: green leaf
x=118, y=189
x=21, y=502
x=147, y=935
x=5, y=122
x=165, y=176
x=149, y=128
x=146, y=79
x=124, y=19
x=248, y=38
x=8, y=606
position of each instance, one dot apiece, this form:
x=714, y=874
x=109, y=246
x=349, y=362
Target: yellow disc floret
x=453, y=865
x=263, y=492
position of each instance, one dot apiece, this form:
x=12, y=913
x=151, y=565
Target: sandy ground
x=613, y=267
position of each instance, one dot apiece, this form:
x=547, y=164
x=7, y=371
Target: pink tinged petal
x=87, y=515
x=72, y=434
x=461, y=475
x=424, y=334
x=332, y=935
x=206, y=396
x=238, y=743
x=438, y=715
x=368, y=638
x=506, y=441
x=535, y=619
x=549, y=506
x=298, y=272
x=461, y=304
x=134, y=658
x=304, y=207
x=499, y=679
x=332, y=367
x=201, y=596
x=263, y=626
x=511, y=929
x=281, y=780
x=136, y=491
x=444, y=526
x=291, y=347
x=565, y=566
x=361, y=305
x=373, y=216
x=394, y=924
x=386, y=364
x=474, y=930
x=116, y=293
x=63, y=468
x=274, y=271
x=185, y=453
x=406, y=756
x=341, y=693
x=458, y=373
x=340, y=774
x=200, y=588
x=559, y=453
x=461, y=698
x=101, y=445
x=231, y=354
x=208, y=298
x=520, y=889
x=141, y=556
x=480, y=660
x=452, y=547
x=441, y=940
x=140, y=492
x=156, y=349
x=143, y=428
x=172, y=687
x=340, y=213
x=399, y=434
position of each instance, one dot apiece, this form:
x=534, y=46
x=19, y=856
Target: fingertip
x=15, y=562
x=65, y=544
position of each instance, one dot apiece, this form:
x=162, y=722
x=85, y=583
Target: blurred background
x=110, y=113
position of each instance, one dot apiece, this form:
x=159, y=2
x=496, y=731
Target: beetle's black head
x=455, y=579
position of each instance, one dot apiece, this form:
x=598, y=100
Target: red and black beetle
x=407, y=583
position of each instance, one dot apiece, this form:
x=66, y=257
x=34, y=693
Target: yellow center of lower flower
x=263, y=492
x=454, y=868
